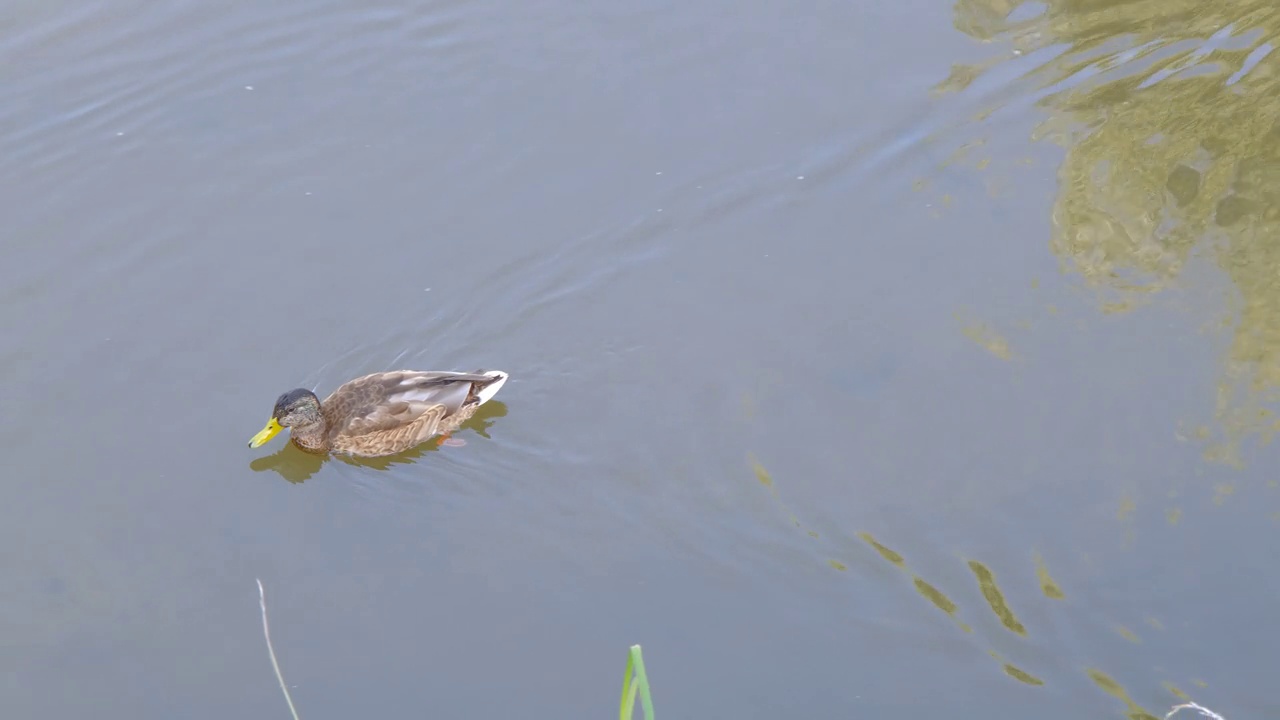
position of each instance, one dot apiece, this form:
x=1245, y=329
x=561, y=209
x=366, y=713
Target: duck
x=383, y=413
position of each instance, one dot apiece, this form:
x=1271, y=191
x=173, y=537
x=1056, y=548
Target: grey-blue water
x=873, y=360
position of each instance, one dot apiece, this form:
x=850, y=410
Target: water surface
x=908, y=360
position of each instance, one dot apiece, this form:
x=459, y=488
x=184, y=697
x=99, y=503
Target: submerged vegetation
x=997, y=602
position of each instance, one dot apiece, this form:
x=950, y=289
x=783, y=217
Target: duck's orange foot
x=450, y=441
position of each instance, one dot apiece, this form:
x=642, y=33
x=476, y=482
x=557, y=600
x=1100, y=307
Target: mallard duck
x=383, y=413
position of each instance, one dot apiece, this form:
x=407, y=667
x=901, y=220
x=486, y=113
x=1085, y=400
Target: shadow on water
x=1166, y=112
x=298, y=466
x=996, y=602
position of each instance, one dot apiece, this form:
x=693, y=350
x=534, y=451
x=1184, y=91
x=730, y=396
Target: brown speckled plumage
x=386, y=413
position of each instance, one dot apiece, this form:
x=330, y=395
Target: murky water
x=899, y=361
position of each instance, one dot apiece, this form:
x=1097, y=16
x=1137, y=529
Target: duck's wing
x=405, y=405
x=398, y=438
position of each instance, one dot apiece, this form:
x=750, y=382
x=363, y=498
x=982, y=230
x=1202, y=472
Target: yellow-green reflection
x=988, y=339
x=766, y=480
x=1021, y=675
x=926, y=589
x=936, y=596
x=1167, y=113
x=1111, y=687
x=1014, y=671
x=885, y=552
x=1128, y=634
x=1048, y=586
x=995, y=598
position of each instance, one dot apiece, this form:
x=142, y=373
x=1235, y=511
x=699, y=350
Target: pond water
x=897, y=360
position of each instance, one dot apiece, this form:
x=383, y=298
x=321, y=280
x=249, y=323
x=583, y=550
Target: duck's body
x=382, y=414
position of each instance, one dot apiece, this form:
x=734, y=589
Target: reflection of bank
x=1167, y=115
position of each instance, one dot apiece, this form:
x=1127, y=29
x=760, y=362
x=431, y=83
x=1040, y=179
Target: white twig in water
x=1204, y=711
x=266, y=633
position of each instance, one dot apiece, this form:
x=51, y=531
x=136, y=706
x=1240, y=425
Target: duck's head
x=296, y=408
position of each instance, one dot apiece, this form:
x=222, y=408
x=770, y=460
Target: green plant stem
x=635, y=681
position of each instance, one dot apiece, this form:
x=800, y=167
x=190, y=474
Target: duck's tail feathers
x=486, y=393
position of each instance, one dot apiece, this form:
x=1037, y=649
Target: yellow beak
x=264, y=436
